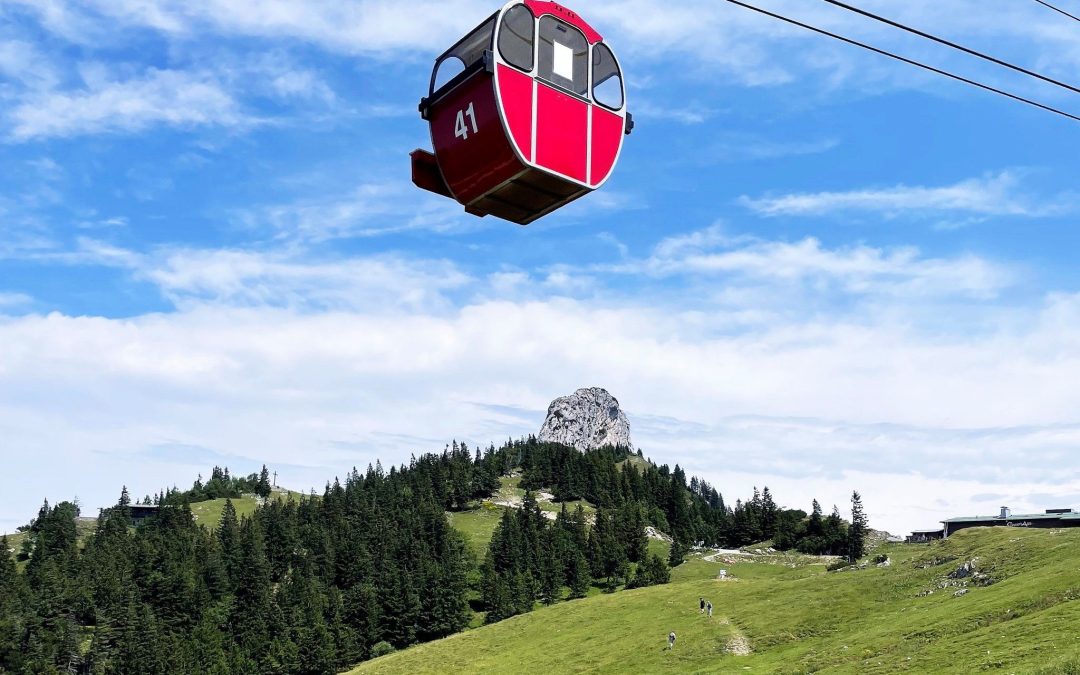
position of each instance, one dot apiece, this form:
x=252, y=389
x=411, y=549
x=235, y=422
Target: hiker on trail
x=708, y=608
x=671, y=640
x=702, y=605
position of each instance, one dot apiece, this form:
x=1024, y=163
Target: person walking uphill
x=708, y=608
x=702, y=601
x=671, y=640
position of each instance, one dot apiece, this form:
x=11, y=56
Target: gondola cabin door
x=527, y=113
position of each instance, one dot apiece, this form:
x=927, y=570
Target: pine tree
x=789, y=529
x=856, y=539
x=263, y=487
x=677, y=553
x=8, y=575
x=11, y=611
x=835, y=533
x=578, y=573
x=679, y=517
x=630, y=529
x=769, y=514
x=251, y=607
x=657, y=570
x=550, y=568
x=523, y=588
x=500, y=600
x=228, y=534
x=815, y=527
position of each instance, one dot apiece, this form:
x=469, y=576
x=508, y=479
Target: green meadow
x=787, y=614
x=208, y=513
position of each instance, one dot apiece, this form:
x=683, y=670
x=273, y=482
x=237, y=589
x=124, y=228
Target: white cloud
x=833, y=404
x=723, y=43
x=23, y=62
x=302, y=84
x=738, y=149
x=717, y=41
x=991, y=195
x=684, y=113
x=274, y=73
x=711, y=237
x=14, y=300
x=167, y=97
x=368, y=210
x=247, y=278
x=853, y=270
x=316, y=365
x=102, y=223
x=370, y=26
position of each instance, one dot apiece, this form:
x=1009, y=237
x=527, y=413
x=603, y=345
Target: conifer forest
x=317, y=583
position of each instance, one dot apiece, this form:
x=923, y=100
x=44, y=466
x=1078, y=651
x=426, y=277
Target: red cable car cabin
x=527, y=114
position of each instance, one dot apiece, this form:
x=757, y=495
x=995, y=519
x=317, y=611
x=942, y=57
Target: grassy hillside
x=640, y=462
x=208, y=513
x=786, y=614
x=84, y=527
x=478, y=524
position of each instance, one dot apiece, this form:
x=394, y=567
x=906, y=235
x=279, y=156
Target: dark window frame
x=617, y=73
x=476, y=56
x=532, y=43
x=584, y=95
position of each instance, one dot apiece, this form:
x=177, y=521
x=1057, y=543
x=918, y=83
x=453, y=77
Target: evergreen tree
x=789, y=529
x=228, y=535
x=263, y=487
x=856, y=539
x=657, y=570
x=769, y=514
x=251, y=606
x=651, y=571
x=523, y=591
x=496, y=591
x=578, y=574
x=815, y=528
x=12, y=620
x=630, y=528
x=835, y=534
x=677, y=553
x=550, y=569
x=8, y=576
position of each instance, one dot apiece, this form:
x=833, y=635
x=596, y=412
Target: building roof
x=937, y=531
x=1014, y=518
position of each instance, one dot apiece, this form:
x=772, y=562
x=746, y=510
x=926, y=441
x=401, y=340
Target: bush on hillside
x=381, y=649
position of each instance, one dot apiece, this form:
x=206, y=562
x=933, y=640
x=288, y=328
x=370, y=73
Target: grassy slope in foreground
x=801, y=619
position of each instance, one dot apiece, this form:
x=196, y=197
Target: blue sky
x=813, y=268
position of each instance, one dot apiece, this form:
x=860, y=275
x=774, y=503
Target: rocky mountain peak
x=589, y=418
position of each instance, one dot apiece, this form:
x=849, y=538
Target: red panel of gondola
x=562, y=132
x=470, y=142
x=516, y=97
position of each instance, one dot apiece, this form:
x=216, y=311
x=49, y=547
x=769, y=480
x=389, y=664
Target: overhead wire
x=1058, y=10
x=904, y=59
x=953, y=45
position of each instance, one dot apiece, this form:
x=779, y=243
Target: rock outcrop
x=587, y=419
